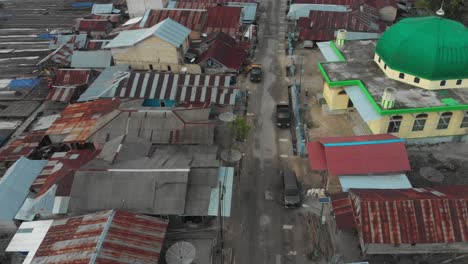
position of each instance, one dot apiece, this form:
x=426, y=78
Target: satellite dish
x=181, y=253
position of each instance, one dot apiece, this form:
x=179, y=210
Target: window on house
x=385, y=66
x=419, y=122
x=380, y=59
x=394, y=124
x=401, y=76
x=464, y=122
x=169, y=68
x=442, y=83
x=342, y=92
x=459, y=82
x=151, y=66
x=444, y=120
x=416, y=80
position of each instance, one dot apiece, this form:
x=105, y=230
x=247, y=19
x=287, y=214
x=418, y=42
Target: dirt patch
x=451, y=159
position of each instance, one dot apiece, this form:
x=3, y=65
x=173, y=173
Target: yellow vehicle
x=255, y=71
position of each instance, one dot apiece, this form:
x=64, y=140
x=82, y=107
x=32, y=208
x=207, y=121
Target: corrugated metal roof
x=224, y=19
x=102, y=9
x=225, y=177
x=343, y=211
x=192, y=19
x=19, y=109
x=249, y=11
x=178, y=126
x=302, y=10
x=360, y=35
x=79, y=121
x=328, y=53
x=60, y=169
x=96, y=44
x=387, y=181
x=92, y=25
x=72, y=41
x=418, y=215
x=91, y=59
x=168, y=30
x=104, y=86
x=322, y=25
x=179, y=87
x=191, y=5
x=357, y=155
x=29, y=241
x=15, y=183
x=71, y=77
x=104, y=237
x=24, y=145
x=61, y=56
x=231, y=56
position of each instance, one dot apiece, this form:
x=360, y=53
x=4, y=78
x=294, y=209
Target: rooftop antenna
x=441, y=12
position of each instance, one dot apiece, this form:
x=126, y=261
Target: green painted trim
x=337, y=51
x=387, y=111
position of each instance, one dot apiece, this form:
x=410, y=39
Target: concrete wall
x=423, y=83
x=380, y=126
x=154, y=54
x=137, y=8
x=334, y=99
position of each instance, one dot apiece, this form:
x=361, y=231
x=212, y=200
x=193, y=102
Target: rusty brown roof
x=192, y=19
x=103, y=237
x=408, y=216
x=224, y=19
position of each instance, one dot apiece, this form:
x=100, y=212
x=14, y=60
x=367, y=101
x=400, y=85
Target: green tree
x=454, y=9
x=240, y=128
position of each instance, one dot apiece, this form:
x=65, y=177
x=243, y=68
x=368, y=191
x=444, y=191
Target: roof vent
x=441, y=12
x=204, y=35
x=341, y=37
x=388, y=98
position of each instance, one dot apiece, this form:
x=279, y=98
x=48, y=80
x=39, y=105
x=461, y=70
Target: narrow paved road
x=261, y=230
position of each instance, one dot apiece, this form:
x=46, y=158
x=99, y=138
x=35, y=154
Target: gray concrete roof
x=359, y=65
x=141, y=192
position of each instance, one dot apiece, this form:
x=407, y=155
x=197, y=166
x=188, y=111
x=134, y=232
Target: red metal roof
x=203, y=88
x=418, y=215
x=194, y=5
x=71, y=77
x=60, y=170
x=343, y=211
x=224, y=19
x=92, y=25
x=66, y=83
x=78, y=122
x=192, y=19
x=24, y=145
x=231, y=56
x=113, y=18
x=96, y=44
x=317, y=155
x=375, y=154
x=107, y=237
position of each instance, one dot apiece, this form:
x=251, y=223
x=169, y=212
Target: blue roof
x=361, y=103
x=172, y=4
x=327, y=51
x=168, y=30
x=394, y=181
x=102, y=9
x=249, y=11
x=104, y=86
x=302, y=10
x=226, y=177
x=91, y=59
x=15, y=184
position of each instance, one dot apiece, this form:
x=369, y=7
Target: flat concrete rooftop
x=359, y=65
